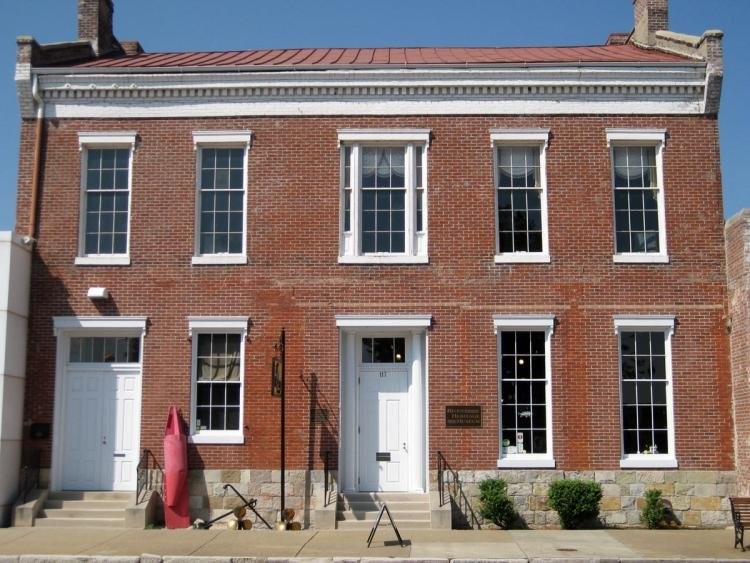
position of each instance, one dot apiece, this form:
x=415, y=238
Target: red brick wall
x=293, y=280
x=738, y=277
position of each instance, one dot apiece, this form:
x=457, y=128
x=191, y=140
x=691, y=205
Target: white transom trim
x=243, y=137
x=644, y=322
x=198, y=324
x=635, y=136
x=111, y=138
x=90, y=323
x=384, y=321
x=520, y=322
x=384, y=135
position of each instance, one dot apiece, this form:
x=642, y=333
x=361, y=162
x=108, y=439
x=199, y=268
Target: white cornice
x=640, y=89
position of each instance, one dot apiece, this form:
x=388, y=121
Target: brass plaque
x=463, y=416
x=382, y=456
x=319, y=416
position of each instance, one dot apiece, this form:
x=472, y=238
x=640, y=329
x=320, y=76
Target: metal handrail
x=29, y=477
x=146, y=475
x=326, y=474
x=453, y=490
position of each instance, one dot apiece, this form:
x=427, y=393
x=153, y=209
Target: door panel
x=83, y=432
x=383, y=424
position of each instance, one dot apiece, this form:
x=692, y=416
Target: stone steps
x=359, y=511
x=84, y=509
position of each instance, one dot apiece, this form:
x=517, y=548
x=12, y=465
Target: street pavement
x=32, y=545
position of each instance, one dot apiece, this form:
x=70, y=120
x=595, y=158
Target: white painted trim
x=641, y=258
x=646, y=461
x=244, y=137
x=384, y=259
x=413, y=322
x=206, y=325
x=63, y=329
x=104, y=259
x=220, y=139
x=217, y=437
x=637, y=136
x=219, y=259
x=523, y=322
x=644, y=322
x=108, y=139
x=216, y=324
x=510, y=136
x=523, y=461
x=384, y=135
x=97, y=293
x=515, y=323
x=522, y=258
x=132, y=324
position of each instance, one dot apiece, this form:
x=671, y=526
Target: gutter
x=30, y=238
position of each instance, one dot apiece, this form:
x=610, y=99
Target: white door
x=101, y=429
x=383, y=426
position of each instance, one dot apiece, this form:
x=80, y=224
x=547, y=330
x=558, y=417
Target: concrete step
x=87, y=504
x=79, y=522
x=384, y=524
x=373, y=515
x=385, y=497
x=92, y=495
x=374, y=505
x=83, y=513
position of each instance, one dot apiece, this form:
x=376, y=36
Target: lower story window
x=218, y=374
x=525, y=413
x=646, y=396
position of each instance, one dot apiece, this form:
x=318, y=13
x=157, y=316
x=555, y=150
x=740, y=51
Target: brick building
x=497, y=254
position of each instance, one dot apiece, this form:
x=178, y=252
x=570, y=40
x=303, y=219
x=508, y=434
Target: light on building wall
x=97, y=293
x=521, y=361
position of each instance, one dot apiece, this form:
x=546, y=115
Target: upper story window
x=217, y=380
x=521, y=195
x=638, y=183
x=524, y=387
x=646, y=391
x=221, y=199
x=383, y=195
x=106, y=177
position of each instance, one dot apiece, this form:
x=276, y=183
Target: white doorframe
x=64, y=329
x=352, y=328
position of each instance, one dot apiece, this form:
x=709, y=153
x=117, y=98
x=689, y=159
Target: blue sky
x=191, y=25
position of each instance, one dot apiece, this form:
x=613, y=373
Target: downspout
x=37, y=164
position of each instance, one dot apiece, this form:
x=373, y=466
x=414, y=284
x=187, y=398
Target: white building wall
x=15, y=270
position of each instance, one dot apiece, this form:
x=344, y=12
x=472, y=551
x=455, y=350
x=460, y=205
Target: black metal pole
x=283, y=418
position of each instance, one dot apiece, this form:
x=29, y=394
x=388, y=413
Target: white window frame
x=640, y=138
x=209, y=325
x=512, y=323
x=415, y=243
x=103, y=140
x=652, y=323
x=522, y=138
x=220, y=140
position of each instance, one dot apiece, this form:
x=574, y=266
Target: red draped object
x=176, y=512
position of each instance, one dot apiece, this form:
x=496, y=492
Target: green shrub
x=654, y=511
x=496, y=505
x=575, y=501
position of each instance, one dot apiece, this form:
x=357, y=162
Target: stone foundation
x=699, y=498
x=304, y=492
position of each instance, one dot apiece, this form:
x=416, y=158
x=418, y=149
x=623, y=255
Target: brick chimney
x=95, y=25
x=650, y=16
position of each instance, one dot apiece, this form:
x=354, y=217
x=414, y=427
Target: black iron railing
x=327, y=485
x=451, y=490
x=150, y=476
x=29, y=477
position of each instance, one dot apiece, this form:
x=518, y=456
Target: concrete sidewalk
x=53, y=544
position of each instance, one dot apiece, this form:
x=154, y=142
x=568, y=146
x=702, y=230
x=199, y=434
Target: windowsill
x=525, y=461
x=112, y=260
x=220, y=259
x=522, y=258
x=646, y=461
x=383, y=259
x=217, y=438
x=638, y=258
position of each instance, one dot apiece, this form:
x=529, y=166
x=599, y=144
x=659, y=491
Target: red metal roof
x=409, y=56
